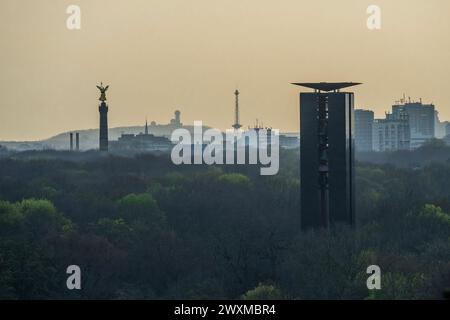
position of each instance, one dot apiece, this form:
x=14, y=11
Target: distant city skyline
x=159, y=56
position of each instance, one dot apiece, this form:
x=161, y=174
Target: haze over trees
x=143, y=228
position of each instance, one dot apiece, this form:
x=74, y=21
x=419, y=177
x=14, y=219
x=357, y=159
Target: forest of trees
x=142, y=228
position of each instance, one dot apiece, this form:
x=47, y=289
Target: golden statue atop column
x=102, y=92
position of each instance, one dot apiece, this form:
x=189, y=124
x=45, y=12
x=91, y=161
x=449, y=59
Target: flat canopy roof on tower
x=327, y=86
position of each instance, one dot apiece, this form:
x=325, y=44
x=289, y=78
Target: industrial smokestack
x=71, y=141
x=77, y=141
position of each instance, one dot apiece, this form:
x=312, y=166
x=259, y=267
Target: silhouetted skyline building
x=421, y=118
x=439, y=126
x=142, y=142
x=176, y=121
x=447, y=128
x=363, y=130
x=327, y=155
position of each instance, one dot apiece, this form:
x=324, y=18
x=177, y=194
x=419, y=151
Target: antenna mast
x=236, y=124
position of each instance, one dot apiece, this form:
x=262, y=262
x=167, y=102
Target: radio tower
x=236, y=124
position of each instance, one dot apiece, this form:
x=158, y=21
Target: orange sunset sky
x=162, y=55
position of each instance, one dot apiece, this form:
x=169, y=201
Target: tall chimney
x=77, y=141
x=71, y=141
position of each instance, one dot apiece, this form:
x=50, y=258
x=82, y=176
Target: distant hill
x=89, y=138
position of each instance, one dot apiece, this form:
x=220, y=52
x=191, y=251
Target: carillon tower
x=327, y=155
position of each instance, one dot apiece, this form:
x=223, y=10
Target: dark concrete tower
x=327, y=155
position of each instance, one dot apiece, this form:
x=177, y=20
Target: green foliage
x=11, y=219
x=399, y=286
x=117, y=230
x=263, y=292
x=433, y=212
x=27, y=231
x=142, y=228
x=141, y=207
x=42, y=218
x=235, y=179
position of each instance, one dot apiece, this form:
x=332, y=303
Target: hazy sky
x=162, y=55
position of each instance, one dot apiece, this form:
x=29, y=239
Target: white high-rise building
x=391, y=134
x=421, y=121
